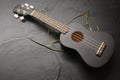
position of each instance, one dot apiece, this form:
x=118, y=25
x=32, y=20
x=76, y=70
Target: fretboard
x=51, y=22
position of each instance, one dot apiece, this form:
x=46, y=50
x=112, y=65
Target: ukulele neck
x=50, y=22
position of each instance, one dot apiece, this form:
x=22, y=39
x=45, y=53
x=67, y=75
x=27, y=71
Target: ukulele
x=95, y=48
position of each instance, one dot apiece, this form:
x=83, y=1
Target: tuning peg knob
x=22, y=18
x=31, y=6
x=26, y=4
x=16, y=16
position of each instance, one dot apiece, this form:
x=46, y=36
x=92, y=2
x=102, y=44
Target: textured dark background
x=24, y=60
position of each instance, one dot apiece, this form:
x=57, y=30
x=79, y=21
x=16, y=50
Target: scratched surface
x=22, y=59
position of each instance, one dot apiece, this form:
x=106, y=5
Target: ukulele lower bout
x=95, y=48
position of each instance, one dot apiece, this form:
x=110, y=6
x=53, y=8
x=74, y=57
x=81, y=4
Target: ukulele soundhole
x=77, y=36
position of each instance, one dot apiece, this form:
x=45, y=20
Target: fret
x=49, y=21
x=59, y=24
x=56, y=24
x=44, y=19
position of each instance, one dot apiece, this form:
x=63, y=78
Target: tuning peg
x=16, y=16
x=22, y=18
x=26, y=4
x=31, y=6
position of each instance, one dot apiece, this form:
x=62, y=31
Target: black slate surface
x=22, y=59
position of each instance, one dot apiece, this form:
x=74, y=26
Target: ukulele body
x=89, y=44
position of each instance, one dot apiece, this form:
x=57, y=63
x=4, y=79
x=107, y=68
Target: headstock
x=22, y=10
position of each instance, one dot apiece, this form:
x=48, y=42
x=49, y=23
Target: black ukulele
x=95, y=48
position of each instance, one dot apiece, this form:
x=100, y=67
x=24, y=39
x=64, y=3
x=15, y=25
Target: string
x=44, y=21
x=76, y=35
x=89, y=44
x=95, y=45
x=85, y=39
x=80, y=37
x=87, y=36
x=38, y=15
